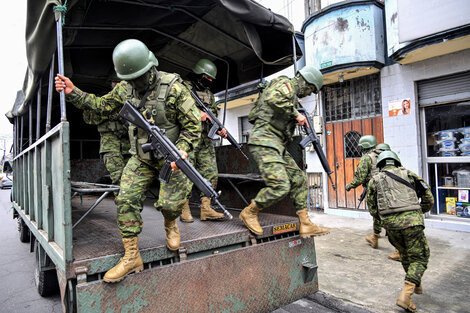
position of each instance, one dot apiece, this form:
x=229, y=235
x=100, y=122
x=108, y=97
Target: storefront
x=444, y=104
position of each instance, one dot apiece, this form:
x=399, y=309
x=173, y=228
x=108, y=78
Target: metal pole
x=15, y=134
x=38, y=113
x=21, y=130
x=60, y=62
x=30, y=139
x=49, y=95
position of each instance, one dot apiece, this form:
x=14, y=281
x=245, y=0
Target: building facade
x=396, y=69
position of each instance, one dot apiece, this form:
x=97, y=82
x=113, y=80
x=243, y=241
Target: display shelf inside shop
x=453, y=188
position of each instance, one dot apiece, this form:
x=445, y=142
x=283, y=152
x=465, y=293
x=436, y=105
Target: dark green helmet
x=383, y=146
x=388, y=155
x=312, y=76
x=205, y=66
x=367, y=142
x=132, y=59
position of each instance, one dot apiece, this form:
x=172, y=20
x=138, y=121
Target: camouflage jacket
x=400, y=220
x=188, y=118
x=274, y=114
x=362, y=175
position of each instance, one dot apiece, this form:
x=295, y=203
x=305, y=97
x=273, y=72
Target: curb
x=337, y=304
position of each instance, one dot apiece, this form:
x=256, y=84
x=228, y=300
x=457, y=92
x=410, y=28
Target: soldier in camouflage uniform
x=274, y=117
x=163, y=100
x=203, y=156
x=114, y=140
x=366, y=168
x=399, y=208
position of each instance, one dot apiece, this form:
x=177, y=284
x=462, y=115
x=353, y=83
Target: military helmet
x=312, y=76
x=132, y=59
x=205, y=66
x=383, y=146
x=388, y=155
x=367, y=142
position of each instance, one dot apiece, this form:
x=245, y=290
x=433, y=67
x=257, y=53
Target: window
x=351, y=148
x=353, y=99
x=245, y=128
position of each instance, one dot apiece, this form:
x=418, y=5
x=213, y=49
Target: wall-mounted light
x=341, y=78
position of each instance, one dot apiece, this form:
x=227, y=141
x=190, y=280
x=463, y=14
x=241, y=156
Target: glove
x=348, y=187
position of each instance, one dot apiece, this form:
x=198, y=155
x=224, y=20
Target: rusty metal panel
x=258, y=278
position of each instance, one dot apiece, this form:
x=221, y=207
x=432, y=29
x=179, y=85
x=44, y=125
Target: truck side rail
x=41, y=193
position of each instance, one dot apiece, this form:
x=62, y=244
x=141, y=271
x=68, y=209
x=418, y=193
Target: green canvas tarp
x=244, y=39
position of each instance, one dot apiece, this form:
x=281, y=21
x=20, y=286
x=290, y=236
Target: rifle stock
x=362, y=197
x=312, y=138
x=159, y=142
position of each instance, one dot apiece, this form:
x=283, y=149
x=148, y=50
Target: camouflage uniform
x=366, y=168
x=203, y=156
x=179, y=117
x=114, y=142
x=405, y=221
x=274, y=117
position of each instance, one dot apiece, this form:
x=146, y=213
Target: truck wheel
x=46, y=281
x=23, y=230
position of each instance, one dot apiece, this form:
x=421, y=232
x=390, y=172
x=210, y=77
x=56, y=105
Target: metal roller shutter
x=444, y=89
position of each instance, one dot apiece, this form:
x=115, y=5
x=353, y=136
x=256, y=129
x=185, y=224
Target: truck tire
x=23, y=230
x=46, y=281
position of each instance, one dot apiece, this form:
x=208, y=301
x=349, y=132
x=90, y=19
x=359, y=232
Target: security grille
x=353, y=99
x=351, y=148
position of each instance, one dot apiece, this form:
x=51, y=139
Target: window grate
x=353, y=99
x=351, y=148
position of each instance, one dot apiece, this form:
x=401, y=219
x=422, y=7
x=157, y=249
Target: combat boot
x=404, y=300
x=129, y=263
x=186, y=213
x=395, y=256
x=419, y=290
x=208, y=213
x=307, y=228
x=172, y=235
x=373, y=240
x=249, y=217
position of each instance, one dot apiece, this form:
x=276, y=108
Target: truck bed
x=97, y=242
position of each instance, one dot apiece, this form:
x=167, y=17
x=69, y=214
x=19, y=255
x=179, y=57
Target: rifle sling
x=144, y=99
x=400, y=180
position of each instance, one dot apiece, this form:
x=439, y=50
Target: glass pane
x=448, y=130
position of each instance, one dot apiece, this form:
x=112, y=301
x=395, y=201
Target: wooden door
x=344, y=166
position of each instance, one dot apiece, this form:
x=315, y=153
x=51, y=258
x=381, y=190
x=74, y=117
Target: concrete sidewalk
x=349, y=269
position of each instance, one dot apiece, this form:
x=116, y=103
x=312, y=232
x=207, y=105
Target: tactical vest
x=206, y=96
x=393, y=196
x=373, y=155
x=153, y=110
x=265, y=111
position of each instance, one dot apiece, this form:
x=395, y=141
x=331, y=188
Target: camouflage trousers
x=281, y=176
x=114, y=163
x=203, y=159
x=414, y=251
x=135, y=181
x=377, y=226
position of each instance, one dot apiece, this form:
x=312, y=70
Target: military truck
x=65, y=210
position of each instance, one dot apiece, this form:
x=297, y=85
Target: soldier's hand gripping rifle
x=160, y=143
x=312, y=138
x=215, y=124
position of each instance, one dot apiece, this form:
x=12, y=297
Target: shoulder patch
x=286, y=88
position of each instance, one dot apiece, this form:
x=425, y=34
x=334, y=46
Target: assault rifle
x=312, y=138
x=160, y=143
x=215, y=124
x=362, y=197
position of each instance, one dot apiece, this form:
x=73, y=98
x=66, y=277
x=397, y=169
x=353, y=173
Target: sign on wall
x=399, y=107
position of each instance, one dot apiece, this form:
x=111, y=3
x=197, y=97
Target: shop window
x=353, y=99
x=351, y=148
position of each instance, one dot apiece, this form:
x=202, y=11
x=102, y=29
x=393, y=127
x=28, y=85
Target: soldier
x=165, y=101
x=393, y=197
x=366, y=168
x=274, y=117
x=203, y=156
x=114, y=139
